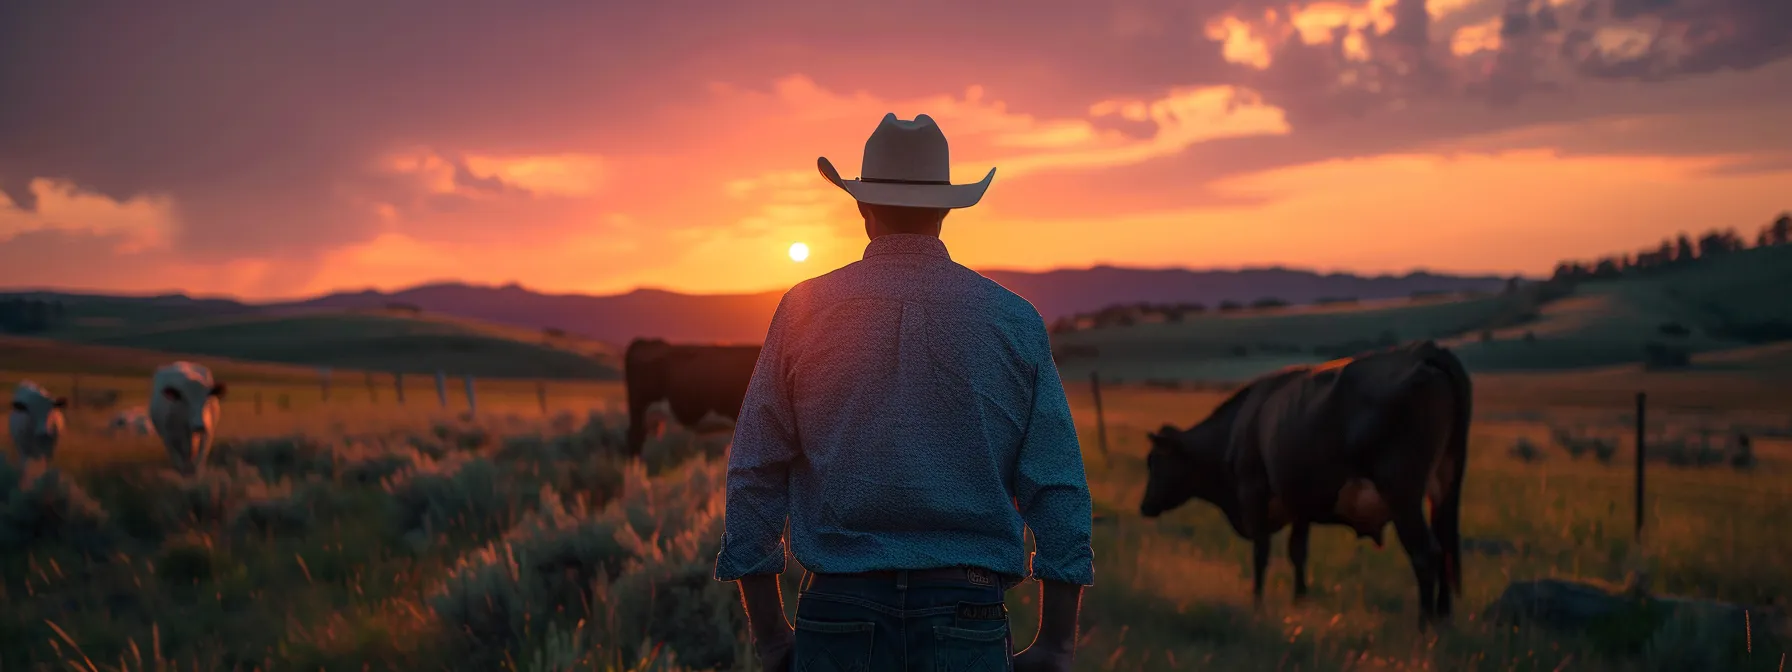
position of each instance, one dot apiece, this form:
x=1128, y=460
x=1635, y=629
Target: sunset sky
x=279, y=149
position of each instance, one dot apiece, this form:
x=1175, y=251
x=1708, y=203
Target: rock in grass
x=1627, y=621
x=1556, y=604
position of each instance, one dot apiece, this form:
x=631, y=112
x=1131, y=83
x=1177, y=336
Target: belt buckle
x=979, y=576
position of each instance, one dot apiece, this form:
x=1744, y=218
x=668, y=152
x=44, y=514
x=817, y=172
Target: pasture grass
x=99, y=334
x=1724, y=304
x=352, y=590
x=372, y=340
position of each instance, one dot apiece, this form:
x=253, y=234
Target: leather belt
x=976, y=576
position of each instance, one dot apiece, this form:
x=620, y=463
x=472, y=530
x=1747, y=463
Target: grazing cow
x=183, y=408
x=134, y=420
x=97, y=399
x=694, y=380
x=35, y=421
x=1361, y=441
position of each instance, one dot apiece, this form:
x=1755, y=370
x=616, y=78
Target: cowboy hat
x=906, y=163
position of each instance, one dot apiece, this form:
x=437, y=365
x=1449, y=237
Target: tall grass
x=523, y=541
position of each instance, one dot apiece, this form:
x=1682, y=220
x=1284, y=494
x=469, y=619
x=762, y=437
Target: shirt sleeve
x=758, y=482
x=1052, y=490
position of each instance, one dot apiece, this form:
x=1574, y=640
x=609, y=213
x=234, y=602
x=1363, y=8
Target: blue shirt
x=905, y=413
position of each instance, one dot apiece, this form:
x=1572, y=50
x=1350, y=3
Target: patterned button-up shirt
x=905, y=413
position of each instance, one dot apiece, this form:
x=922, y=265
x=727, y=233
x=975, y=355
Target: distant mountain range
x=744, y=317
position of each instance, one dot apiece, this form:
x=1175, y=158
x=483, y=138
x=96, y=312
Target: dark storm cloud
x=1694, y=37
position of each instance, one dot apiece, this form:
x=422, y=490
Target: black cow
x=1361, y=441
x=693, y=379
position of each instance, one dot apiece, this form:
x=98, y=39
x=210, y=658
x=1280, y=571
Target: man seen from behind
x=906, y=417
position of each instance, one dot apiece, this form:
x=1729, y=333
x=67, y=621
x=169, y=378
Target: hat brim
x=948, y=196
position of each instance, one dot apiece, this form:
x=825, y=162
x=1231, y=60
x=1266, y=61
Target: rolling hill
x=1732, y=304
x=32, y=356
x=383, y=341
x=742, y=318
x=1742, y=300
x=1720, y=305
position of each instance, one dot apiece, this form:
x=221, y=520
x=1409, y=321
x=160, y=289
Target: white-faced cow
x=1361, y=442
x=693, y=380
x=183, y=408
x=35, y=421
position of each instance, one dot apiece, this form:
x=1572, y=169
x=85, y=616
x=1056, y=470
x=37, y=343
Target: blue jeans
x=854, y=623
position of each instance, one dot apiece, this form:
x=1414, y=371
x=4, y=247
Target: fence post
x=398, y=386
x=323, y=373
x=541, y=395
x=1101, y=425
x=442, y=387
x=74, y=393
x=373, y=393
x=1641, y=426
x=472, y=402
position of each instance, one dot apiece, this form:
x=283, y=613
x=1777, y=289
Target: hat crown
x=907, y=150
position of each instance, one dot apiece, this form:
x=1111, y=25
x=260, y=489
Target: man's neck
x=930, y=234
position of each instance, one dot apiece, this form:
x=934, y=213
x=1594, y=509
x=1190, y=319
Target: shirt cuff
x=731, y=567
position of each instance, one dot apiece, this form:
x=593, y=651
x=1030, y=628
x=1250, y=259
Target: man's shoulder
x=1009, y=304
x=832, y=282
x=962, y=284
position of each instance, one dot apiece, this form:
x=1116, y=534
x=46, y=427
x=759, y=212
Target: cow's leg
x=1297, y=555
x=202, y=453
x=1256, y=522
x=1445, y=540
x=1423, y=550
x=1256, y=503
x=1259, y=564
x=174, y=454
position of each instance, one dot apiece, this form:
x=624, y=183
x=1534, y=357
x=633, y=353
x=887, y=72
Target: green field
x=325, y=569
x=1736, y=302
x=381, y=341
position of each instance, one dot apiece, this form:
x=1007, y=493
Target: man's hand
x=777, y=653
x=773, y=638
x=1041, y=659
x=1054, y=647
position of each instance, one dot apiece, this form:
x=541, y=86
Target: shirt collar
x=907, y=243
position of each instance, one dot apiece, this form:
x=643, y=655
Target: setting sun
x=799, y=251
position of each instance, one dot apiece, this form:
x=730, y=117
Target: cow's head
x=193, y=399
x=35, y=419
x=1184, y=465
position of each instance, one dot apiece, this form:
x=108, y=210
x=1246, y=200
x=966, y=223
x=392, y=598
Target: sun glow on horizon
x=799, y=252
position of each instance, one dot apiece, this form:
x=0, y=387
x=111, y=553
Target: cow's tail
x=1446, y=516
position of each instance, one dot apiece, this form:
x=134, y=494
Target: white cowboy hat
x=906, y=163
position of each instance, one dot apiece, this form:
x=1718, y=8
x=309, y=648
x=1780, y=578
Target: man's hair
x=904, y=219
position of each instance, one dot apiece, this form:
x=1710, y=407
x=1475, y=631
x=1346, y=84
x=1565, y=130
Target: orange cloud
x=431, y=172
x=560, y=175
x=1495, y=212
x=1483, y=36
x=794, y=204
x=1622, y=42
x=139, y=224
x=1239, y=42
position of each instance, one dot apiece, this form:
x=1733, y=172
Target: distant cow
x=1361, y=442
x=134, y=420
x=183, y=409
x=97, y=399
x=694, y=380
x=35, y=421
